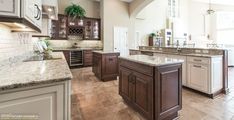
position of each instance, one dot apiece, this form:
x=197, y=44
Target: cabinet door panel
x=143, y=94
x=168, y=88
x=10, y=8
x=124, y=80
x=198, y=76
x=111, y=65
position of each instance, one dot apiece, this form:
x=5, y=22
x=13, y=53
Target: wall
x=115, y=13
x=12, y=47
x=191, y=20
x=82, y=44
x=92, y=8
x=151, y=19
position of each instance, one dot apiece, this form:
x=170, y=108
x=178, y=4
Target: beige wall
x=92, y=8
x=115, y=13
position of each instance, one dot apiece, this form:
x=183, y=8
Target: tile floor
x=96, y=100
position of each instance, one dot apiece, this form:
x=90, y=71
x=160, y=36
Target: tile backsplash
x=81, y=43
x=14, y=46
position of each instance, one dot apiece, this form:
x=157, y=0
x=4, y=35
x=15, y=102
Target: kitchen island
x=151, y=85
x=105, y=65
x=36, y=89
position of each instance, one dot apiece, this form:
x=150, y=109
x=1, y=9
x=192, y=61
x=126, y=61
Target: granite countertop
x=183, y=54
x=152, y=60
x=31, y=73
x=73, y=48
x=105, y=51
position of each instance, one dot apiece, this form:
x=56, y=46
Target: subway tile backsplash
x=14, y=46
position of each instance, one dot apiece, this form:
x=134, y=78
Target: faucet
x=178, y=49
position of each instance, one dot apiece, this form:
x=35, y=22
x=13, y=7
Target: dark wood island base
x=154, y=90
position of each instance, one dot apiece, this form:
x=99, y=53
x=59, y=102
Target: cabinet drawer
x=147, y=70
x=198, y=60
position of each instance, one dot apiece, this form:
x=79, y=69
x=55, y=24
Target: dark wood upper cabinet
x=92, y=29
x=59, y=28
x=80, y=28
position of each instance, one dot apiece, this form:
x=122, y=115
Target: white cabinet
x=27, y=11
x=50, y=102
x=32, y=11
x=204, y=74
x=198, y=77
x=10, y=8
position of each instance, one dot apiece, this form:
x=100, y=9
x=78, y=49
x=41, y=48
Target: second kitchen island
x=151, y=85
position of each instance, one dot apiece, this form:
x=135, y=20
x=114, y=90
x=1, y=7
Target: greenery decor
x=152, y=35
x=75, y=11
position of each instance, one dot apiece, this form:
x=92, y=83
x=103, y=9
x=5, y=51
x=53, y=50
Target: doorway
x=120, y=40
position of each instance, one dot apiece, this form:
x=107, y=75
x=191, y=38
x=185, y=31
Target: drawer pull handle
x=197, y=66
x=197, y=60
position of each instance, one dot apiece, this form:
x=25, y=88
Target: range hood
x=50, y=9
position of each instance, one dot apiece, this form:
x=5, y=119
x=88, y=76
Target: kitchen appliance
x=76, y=58
x=166, y=37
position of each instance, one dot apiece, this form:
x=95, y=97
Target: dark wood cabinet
x=88, y=58
x=79, y=28
x=155, y=92
x=59, y=28
x=92, y=29
x=105, y=65
x=138, y=88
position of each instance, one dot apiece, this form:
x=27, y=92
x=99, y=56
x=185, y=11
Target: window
x=173, y=8
x=225, y=28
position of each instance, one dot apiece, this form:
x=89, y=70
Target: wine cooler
x=76, y=58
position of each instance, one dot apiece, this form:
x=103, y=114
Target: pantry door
x=120, y=40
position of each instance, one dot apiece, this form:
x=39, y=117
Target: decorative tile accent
x=14, y=47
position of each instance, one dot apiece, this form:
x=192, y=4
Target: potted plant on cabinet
x=151, y=39
x=75, y=12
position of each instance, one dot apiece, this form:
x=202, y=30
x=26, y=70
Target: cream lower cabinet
x=204, y=74
x=51, y=102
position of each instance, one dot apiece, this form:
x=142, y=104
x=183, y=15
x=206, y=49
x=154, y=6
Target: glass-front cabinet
x=92, y=29
x=77, y=28
x=59, y=28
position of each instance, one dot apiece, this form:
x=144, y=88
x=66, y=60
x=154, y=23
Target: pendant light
x=210, y=11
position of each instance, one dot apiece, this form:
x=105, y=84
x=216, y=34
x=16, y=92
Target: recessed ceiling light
x=52, y=17
x=50, y=9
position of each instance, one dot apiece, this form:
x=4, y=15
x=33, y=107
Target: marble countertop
x=183, y=54
x=72, y=48
x=105, y=51
x=152, y=60
x=31, y=73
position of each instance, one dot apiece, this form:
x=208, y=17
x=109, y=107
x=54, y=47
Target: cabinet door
x=46, y=103
x=38, y=13
x=10, y=8
x=111, y=65
x=143, y=94
x=198, y=77
x=88, y=57
x=124, y=83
